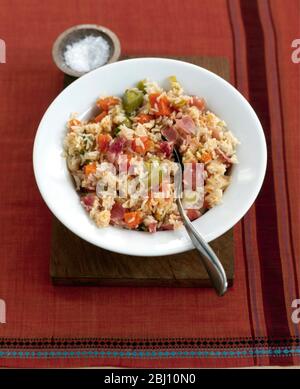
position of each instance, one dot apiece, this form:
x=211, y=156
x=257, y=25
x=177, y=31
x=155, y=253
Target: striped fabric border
x=156, y=348
x=278, y=132
x=266, y=254
x=269, y=258
x=153, y=343
x=248, y=224
x=153, y=354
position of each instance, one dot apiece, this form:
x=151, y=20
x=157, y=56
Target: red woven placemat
x=251, y=325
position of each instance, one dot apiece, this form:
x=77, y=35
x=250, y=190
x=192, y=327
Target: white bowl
x=56, y=185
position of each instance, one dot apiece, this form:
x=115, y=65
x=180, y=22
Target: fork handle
x=208, y=257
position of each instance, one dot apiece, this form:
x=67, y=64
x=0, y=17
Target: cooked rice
x=88, y=157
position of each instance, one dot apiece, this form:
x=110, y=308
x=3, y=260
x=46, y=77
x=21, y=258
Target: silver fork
x=208, y=257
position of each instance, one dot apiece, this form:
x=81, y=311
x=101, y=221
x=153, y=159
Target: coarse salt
x=87, y=53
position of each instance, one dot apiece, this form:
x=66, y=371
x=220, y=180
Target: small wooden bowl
x=78, y=32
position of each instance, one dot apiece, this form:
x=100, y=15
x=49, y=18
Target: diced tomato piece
x=206, y=157
x=153, y=99
x=133, y=219
x=162, y=104
x=149, y=145
x=100, y=117
x=90, y=168
x=138, y=147
x=142, y=145
x=164, y=107
x=107, y=102
x=198, y=102
x=144, y=118
x=103, y=142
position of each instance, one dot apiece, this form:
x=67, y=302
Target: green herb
x=116, y=131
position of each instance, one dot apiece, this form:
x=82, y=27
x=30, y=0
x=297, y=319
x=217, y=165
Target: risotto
x=122, y=159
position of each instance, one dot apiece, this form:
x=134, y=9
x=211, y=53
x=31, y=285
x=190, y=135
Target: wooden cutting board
x=76, y=262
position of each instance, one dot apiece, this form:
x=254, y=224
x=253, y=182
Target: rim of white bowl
x=155, y=251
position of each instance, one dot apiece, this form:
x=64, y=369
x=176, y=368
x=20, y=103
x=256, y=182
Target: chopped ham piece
x=117, y=212
x=115, y=148
x=152, y=227
x=88, y=201
x=224, y=156
x=167, y=227
x=170, y=134
x=193, y=214
x=166, y=148
x=186, y=125
x=117, y=145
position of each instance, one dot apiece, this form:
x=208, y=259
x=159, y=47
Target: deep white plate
x=56, y=185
